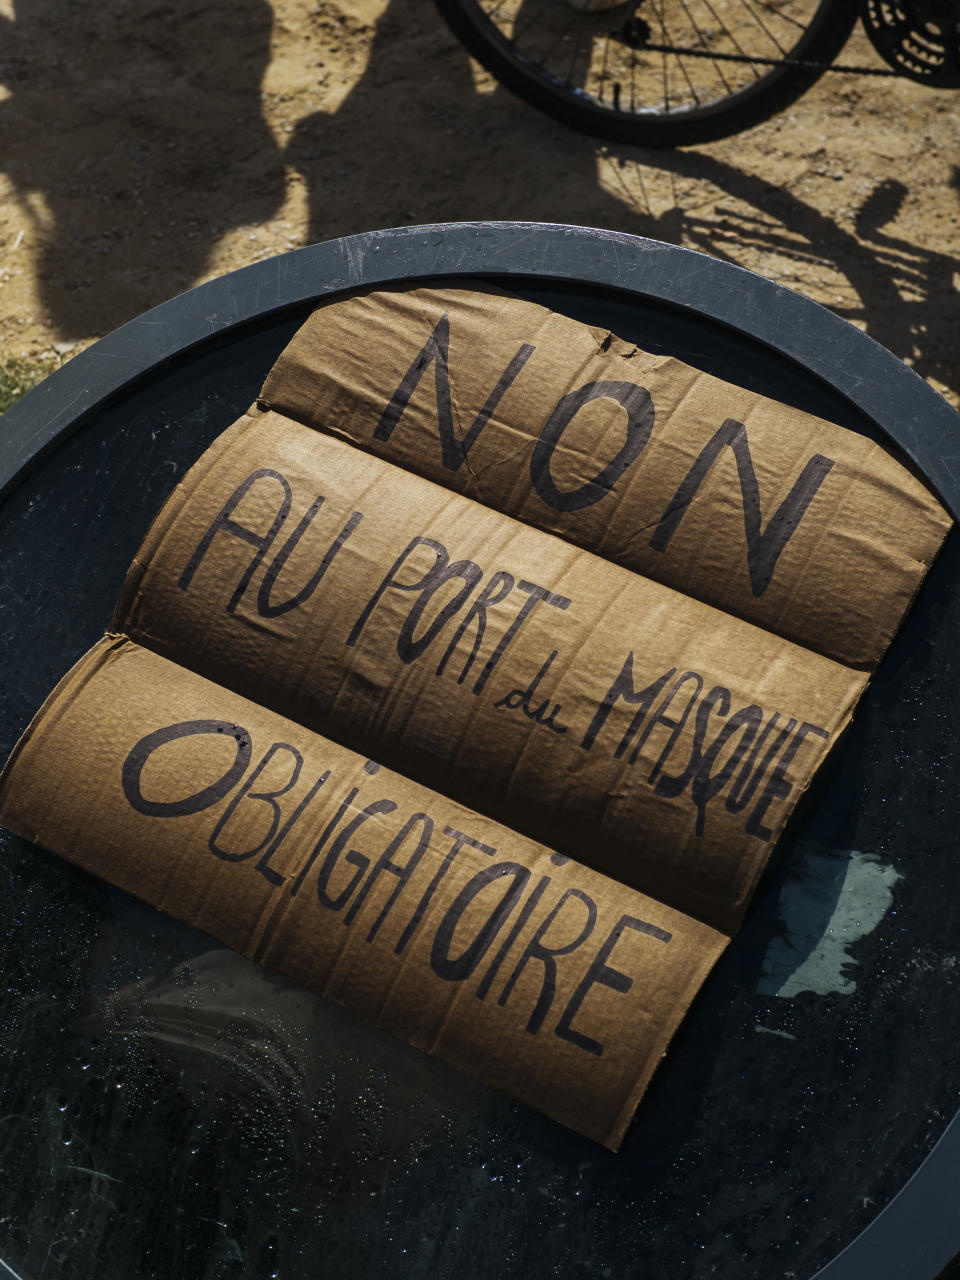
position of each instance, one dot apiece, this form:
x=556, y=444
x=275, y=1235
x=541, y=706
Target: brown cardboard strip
x=536, y=974
x=764, y=511
x=642, y=732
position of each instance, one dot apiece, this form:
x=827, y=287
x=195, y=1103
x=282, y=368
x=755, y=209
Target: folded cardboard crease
x=470, y=678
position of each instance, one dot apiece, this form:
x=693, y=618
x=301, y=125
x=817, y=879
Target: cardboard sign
x=468, y=941
x=764, y=511
x=642, y=732
x=557, y=585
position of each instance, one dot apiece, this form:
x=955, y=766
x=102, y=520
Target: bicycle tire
x=488, y=32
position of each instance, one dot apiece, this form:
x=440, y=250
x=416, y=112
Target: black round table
x=168, y=1110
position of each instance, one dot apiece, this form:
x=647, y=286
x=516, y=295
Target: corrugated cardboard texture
x=642, y=732
x=793, y=523
x=506, y=959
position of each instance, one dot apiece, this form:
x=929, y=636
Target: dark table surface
x=169, y=1110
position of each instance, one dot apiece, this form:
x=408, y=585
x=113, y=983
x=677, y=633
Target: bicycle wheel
x=658, y=72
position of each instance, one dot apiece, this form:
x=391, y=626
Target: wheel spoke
x=704, y=44
x=656, y=70
x=574, y=16
x=604, y=73
x=730, y=36
x=758, y=19
x=533, y=17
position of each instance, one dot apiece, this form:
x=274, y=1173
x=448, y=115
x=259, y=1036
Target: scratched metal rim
x=904, y=408
x=918, y=1233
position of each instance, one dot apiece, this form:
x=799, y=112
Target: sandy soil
x=149, y=146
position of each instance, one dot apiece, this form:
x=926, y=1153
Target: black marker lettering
x=602, y=974
x=763, y=545
x=265, y=607
x=459, y=840
x=640, y=415
x=133, y=766
x=535, y=595
x=439, y=560
x=222, y=523
x=353, y=856
x=522, y=700
x=513, y=933
x=331, y=826
x=622, y=687
x=269, y=798
x=743, y=788
x=263, y=866
x=402, y=871
x=673, y=785
x=705, y=784
x=497, y=589
x=409, y=648
x=675, y=725
x=778, y=788
x=455, y=970
x=537, y=949
x=436, y=351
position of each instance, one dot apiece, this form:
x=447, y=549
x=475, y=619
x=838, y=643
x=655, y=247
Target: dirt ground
x=148, y=146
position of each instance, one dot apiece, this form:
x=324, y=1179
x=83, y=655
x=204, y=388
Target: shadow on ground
x=133, y=137
x=134, y=185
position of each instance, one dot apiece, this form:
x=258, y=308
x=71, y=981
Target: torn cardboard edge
x=499, y=956
x=752, y=506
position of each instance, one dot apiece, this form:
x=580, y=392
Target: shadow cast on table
x=175, y=130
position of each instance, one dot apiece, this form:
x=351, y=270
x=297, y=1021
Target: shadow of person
x=448, y=144
x=120, y=127
x=458, y=147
